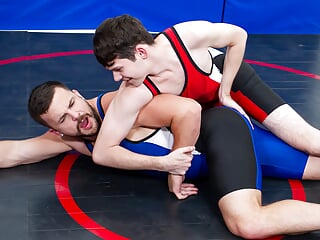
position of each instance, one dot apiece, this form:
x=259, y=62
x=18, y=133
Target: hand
x=180, y=189
x=178, y=161
x=229, y=102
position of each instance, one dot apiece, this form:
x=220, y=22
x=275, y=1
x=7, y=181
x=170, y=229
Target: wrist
x=158, y=164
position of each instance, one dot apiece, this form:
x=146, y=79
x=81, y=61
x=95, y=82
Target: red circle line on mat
x=283, y=68
x=82, y=52
x=44, y=55
x=66, y=199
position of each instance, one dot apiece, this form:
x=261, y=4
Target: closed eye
x=63, y=117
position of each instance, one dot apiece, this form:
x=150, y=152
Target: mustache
x=83, y=116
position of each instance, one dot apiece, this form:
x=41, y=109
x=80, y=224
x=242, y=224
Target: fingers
x=186, y=150
x=180, y=160
x=180, y=170
x=236, y=106
x=186, y=190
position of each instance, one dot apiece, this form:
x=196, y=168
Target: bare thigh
x=288, y=125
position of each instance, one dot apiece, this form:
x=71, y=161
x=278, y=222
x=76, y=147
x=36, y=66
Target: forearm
x=12, y=154
x=119, y=157
x=8, y=154
x=230, y=69
x=20, y=152
x=176, y=162
x=233, y=59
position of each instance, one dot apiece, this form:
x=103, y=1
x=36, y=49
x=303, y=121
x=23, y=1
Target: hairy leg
x=287, y=124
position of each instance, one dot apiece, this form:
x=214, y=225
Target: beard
x=96, y=118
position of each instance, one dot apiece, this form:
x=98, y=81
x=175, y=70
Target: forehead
x=59, y=103
x=118, y=62
x=60, y=98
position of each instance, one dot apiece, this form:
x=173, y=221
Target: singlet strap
x=99, y=106
x=182, y=52
x=151, y=86
x=88, y=143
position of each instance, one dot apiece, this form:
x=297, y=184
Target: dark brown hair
x=118, y=37
x=40, y=99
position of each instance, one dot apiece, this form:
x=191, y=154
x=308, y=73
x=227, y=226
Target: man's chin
x=88, y=135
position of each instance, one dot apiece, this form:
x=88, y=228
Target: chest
x=178, y=72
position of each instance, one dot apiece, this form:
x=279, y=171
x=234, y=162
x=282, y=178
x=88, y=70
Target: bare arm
x=182, y=115
x=185, y=117
x=199, y=35
x=19, y=152
x=119, y=119
x=157, y=113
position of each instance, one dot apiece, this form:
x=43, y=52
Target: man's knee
x=242, y=213
x=247, y=226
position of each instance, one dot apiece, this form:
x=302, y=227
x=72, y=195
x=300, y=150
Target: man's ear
x=76, y=92
x=55, y=132
x=141, y=51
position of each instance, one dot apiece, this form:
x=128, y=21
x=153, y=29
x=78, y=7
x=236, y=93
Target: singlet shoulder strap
x=151, y=86
x=177, y=44
x=88, y=144
x=182, y=52
x=99, y=106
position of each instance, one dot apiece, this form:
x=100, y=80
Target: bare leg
x=288, y=125
x=246, y=217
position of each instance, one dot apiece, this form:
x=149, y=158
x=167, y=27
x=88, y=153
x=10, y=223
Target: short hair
x=40, y=99
x=118, y=37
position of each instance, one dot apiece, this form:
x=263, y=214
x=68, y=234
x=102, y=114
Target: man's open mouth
x=84, y=122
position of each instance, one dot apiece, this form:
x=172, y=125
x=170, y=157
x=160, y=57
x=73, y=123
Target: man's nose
x=73, y=114
x=117, y=76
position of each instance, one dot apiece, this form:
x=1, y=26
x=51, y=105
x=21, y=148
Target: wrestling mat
x=69, y=197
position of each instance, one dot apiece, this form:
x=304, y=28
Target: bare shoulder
x=205, y=33
x=106, y=99
x=202, y=27
x=133, y=96
x=192, y=32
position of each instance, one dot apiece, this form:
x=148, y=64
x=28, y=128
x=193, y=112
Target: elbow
x=192, y=114
x=99, y=158
x=243, y=33
x=195, y=111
